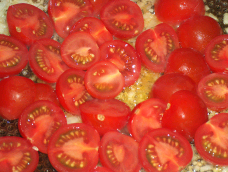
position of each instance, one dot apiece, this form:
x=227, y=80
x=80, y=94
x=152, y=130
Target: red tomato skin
x=185, y=113
x=101, y=169
x=170, y=83
x=19, y=51
x=176, y=11
x=197, y=32
x=188, y=62
x=16, y=93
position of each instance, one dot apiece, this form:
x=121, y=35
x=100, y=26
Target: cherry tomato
x=154, y=46
x=213, y=91
x=145, y=117
x=176, y=11
x=74, y=147
x=123, y=18
x=163, y=150
x=211, y=140
x=97, y=6
x=17, y=153
x=100, y=169
x=103, y=80
x=105, y=115
x=28, y=23
x=188, y=62
x=95, y=27
x=124, y=56
x=170, y=83
x=65, y=13
x=16, y=93
x=119, y=152
x=39, y=121
x=197, y=32
x=45, y=60
x=14, y=56
x=185, y=113
x=80, y=50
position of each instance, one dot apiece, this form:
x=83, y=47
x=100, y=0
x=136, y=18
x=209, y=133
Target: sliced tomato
x=163, y=150
x=154, y=46
x=211, y=140
x=13, y=56
x=97, y=6
x=95, y=27
x=17, y=154
x=125, y=57
x=65, y=13
x=74, y=147
x=213, y=91
x=39, y=121
x=145, y=117
x=119, y=152
x=71, y=90
x=123, y=18
x=100, y=169
x=28, y=23
x=80, y=50
x=105, y=115
x=103, y=80
x=45, y=60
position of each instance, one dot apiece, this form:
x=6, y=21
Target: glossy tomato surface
x=164, y=150
x=125, y=57
x=14, y=56
x=74, y=147
x=185, y=113
x=101, y=169
x=28, y=23
x=154, y=46
x=211, y=140
x=124, y=152
x=16, y=93
x=97, y=6
x=123, y=18
x=17, y=153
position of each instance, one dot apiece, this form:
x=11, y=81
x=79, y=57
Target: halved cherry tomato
x=13, y=56
x=65, y=13
x=145, y=117
x=105, y=115
x=101, y=169
x=74, y=147
x=97, y=6
x=185, y=113
x=119, y=152
x=95, y=27
x=163, y=150
x=28, y=23
x=125, y=57
x=213, y=89
x=154, y=46
x=103, y=80
x=45, y=60
x=17, y=154
x=123, y=18
x=39, y=121
x=211, y=140
x=80, y=50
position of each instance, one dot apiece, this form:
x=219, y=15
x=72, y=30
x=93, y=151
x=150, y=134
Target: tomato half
x=28, y=23
x=13, y=56
x=154, y=46
x=74, y=147
x=211, y=140
x=45, y=60
x=65, y=13
x=105, y=115
x=119, y=152
x=103, y=80
x=100, y=169
x=145, y=117
x=124, y=56
x=163, y=150
x=17, y=154
x=123, y=18
x=97, y=6
x=80, y=50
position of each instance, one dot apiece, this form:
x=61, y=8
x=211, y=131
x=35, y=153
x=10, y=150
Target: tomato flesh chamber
x=8, y=56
